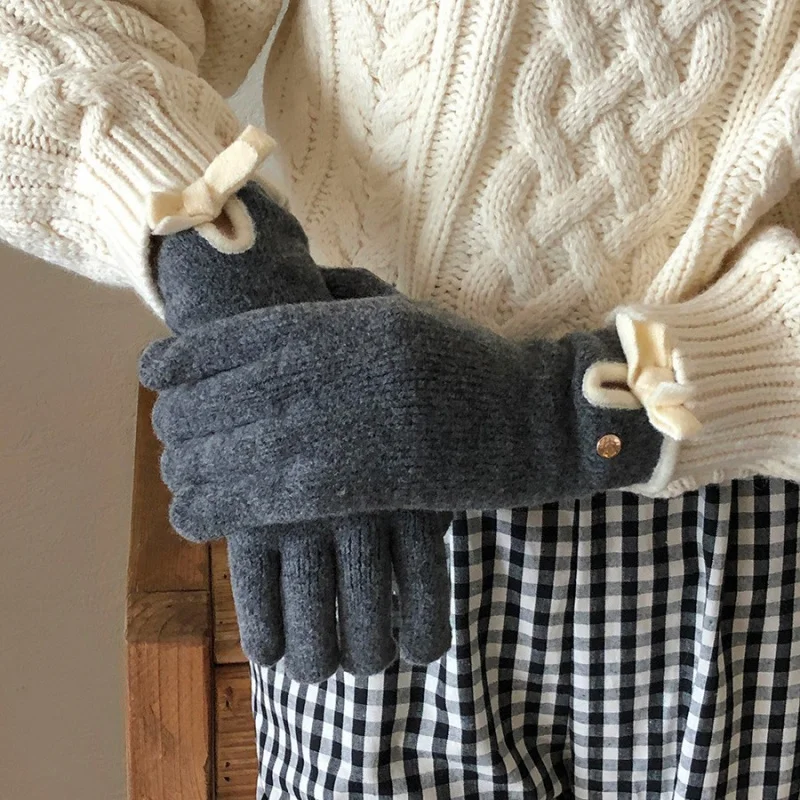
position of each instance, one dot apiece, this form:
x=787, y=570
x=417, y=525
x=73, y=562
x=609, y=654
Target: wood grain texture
x=184, y=714
x=169, y=697
x=168, y=618
x=168, y=634
x=227, y=648
x=236, y=767
x=159, y=560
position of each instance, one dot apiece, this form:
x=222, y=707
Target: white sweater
x=529, y=165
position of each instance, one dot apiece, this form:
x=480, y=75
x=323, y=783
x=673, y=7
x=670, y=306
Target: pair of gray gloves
x=327, y=427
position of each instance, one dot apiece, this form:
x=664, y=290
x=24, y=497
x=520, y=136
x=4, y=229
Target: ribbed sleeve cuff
x=736, y=348
x=141, y=152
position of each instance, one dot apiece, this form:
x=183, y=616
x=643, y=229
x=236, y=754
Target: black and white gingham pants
x=614, y=647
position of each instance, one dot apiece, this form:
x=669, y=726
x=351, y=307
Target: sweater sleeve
x=102, y=103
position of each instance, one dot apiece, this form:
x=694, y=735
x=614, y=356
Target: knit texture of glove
x=327, y=409
x=736, y=350
x=289, y=579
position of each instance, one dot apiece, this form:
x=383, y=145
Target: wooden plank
x=227, y=648
x=169, y=696
x=236, y=761
x=159, y=561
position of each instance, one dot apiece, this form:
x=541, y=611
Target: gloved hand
x=287, y=579
x=419, y=409
x=383, y=403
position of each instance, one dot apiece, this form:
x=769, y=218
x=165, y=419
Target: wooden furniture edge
x=159, y=559
x=236, y=759
x=170, y=691
x=170, y=697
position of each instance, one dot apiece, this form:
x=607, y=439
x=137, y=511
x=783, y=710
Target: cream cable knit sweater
x=530, y=165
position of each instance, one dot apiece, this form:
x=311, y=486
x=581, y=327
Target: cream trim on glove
x=647, y=381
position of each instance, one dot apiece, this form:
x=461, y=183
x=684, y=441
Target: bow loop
x=203, y=200
x=647, y=380
x=651, y=377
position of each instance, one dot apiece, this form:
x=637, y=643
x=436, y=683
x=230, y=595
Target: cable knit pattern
x=610, y=166
x=374, y=58
x=553, y=160
x=399, y=79
x=528, y=165
x=101, y=104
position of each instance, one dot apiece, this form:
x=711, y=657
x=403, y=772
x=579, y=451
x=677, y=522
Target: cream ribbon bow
x=170, y=212
x=647, y=381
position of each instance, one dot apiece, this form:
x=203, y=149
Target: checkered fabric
x=614, y=647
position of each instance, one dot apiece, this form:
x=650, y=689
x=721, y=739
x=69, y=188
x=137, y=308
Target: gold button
x=608, y=446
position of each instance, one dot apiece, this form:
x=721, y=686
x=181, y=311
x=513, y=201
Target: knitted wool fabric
x=528, y=165
x=736, y=346
x=101, y=103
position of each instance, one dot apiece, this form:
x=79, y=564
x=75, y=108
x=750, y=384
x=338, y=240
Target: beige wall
x=68, y=353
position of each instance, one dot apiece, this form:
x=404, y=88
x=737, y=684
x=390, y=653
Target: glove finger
x=171, y=417
x=423, y=582
x=308, y=588
x=299, y=493
x=345, y=283
x=265, y=447
x=255, y=578
x=242, y=339
x=222, y=403
x=315, y=350
x=249, y=416
x=218, y=346
x=151, y=360
x=300, y=383
x=364, y=566
x=235, y=341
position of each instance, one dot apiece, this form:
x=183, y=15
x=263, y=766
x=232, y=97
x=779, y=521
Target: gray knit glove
x=317, y=410
x=288, y=578
x=383, y=403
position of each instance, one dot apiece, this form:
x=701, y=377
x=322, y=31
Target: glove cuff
x=735, y=353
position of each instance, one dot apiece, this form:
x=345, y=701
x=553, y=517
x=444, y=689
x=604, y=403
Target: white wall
x=68, y=353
